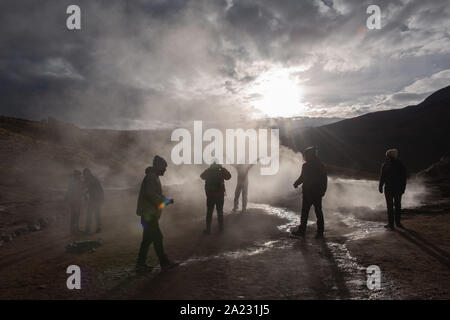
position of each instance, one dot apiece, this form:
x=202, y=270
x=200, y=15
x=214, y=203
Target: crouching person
x=150, y=204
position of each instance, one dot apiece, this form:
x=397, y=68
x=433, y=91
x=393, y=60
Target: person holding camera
x=215, y=177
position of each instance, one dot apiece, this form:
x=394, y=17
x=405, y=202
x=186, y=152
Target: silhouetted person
x=241, y=186
x=215, y=177
x=150, y=204
x=74, y=197
x=314, y=179
x=95, y=198
x=393, y=178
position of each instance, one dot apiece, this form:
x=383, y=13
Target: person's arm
x=403, y=177
x=299, y=181
x=226, y=175
x=101, y=191
x=382, y=178
x=204, y=174
x=151, y=193
x=69, y=191
x=324, y=180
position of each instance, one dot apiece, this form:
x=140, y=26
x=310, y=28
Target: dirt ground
x=254, y=259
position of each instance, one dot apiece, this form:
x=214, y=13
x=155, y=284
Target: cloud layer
x=142, y=63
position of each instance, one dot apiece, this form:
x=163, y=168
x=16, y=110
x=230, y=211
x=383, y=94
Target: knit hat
x=392, y=153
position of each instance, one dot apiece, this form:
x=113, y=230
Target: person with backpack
x=215, y=177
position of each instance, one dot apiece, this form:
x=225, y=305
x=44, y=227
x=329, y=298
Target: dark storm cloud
x=143, y=61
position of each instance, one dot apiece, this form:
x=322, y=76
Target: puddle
x=337, y=258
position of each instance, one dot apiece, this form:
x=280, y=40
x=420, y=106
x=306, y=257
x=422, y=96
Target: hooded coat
x=215, y=177
x=393, y=177
x=314, y=179
x=150, y=197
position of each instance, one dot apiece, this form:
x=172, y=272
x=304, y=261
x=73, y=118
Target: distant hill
x=420, y=132
x=439, y=171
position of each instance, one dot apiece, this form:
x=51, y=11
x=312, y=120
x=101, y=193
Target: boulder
x=43, y=222
x=34, y=226
x=21, y=230
x=83, y=246
x=6, y=236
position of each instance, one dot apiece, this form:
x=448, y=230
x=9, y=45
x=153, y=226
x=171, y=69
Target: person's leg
x=237, y=194
x=76, y=221
x=89, y=216
x=209, y=211
x=98, y=208
x=398, y=209
x=244, y=196
x=319, y=215
x=145, y=244
x=390, y=208
x=72, y=218
x=306, y=206
x=219, y=208
x=157, y=239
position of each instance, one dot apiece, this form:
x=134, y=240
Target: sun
x=277, y=93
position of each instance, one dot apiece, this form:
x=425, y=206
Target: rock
x=20, y=231
x=43, y=222
x=34, y=226
x=6, y=236
x=83, y=246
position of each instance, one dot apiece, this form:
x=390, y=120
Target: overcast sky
x=149, y=63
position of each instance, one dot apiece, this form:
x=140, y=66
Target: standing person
x=95, y=198
x=314, y=179
x=241, y=186
x=150, y=204
x=215, y=177
x=393, y=178
x=74, y=197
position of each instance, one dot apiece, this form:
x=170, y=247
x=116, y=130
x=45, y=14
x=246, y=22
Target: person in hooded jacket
x=150, y=205
x=314, y=179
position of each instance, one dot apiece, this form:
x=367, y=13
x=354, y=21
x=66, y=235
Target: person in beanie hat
x=150, y=205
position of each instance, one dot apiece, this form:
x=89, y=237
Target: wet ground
x=254, y=259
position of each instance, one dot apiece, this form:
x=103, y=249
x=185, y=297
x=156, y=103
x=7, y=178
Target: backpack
x=214, y=181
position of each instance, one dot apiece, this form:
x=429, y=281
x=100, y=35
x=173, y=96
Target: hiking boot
x=298, y=233
x=319, y=235
x=390, y=227
x=167, y=265
x=143, y=268
x=399, y=225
